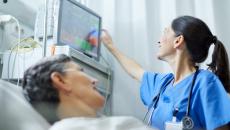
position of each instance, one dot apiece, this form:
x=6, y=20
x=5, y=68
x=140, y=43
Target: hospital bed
x=15, y=112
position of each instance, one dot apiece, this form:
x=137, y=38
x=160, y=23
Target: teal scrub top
x=210, y=103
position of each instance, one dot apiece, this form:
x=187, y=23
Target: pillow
x=15, y=112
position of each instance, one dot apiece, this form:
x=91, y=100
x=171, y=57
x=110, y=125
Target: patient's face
x=83, y=86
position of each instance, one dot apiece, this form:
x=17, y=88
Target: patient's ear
x=59, y=82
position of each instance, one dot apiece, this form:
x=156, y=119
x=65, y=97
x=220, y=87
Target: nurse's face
x=166, y=48
x=83, y=87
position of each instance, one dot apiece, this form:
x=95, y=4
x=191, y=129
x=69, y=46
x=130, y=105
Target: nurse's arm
x=129, y=65
x=225, y=127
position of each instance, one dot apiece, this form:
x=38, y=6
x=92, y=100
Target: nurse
x=195, y=96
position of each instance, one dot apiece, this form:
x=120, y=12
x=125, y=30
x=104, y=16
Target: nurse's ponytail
x=220, y=63
x=199, y=38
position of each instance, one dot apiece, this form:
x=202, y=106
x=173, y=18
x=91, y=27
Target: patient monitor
x=79, y=27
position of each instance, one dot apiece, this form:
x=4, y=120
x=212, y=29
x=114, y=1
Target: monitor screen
x=79, y=27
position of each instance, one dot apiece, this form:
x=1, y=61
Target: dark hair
x=37, y=81
x=38, y=86
x=199, y=38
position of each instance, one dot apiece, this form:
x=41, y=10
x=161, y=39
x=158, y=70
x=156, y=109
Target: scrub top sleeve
x=214, y=104
x=148, y=86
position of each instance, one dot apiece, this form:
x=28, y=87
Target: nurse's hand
x=129, y=65
x=107, y=39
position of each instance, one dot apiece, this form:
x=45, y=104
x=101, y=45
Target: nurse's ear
x=58, y=81
x=179, y=42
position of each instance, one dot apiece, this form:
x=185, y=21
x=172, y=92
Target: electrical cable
x=9, y=59
x=19, y=40
x=5, y=19
x=29, y=44
x=18, y=43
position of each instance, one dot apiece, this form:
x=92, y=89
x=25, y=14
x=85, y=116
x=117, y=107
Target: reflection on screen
x=79, y=28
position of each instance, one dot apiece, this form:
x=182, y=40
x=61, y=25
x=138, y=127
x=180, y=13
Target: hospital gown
x=103, y=123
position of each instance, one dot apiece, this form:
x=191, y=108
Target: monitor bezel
x=90, y=12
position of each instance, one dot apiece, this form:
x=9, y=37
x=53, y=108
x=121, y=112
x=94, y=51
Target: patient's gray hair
x=37, y=79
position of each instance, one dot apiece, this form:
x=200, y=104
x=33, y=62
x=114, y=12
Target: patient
x=59, y=89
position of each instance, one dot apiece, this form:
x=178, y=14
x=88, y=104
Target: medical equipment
x=20, y=57
x=187, y=121
x=45, y=29
x=80, y=28
x=5, y=18
x=8, y=18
